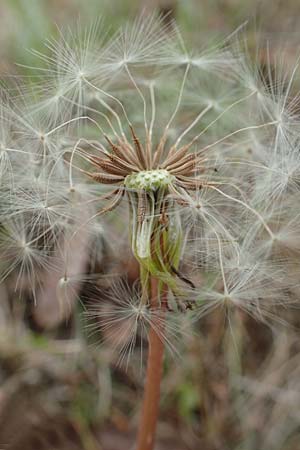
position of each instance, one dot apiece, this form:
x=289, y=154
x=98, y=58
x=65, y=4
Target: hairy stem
x=148, y=421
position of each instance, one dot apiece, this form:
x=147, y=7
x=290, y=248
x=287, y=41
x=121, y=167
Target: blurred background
x=239, y=386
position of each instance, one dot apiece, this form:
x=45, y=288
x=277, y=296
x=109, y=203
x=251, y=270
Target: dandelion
x=200, y=147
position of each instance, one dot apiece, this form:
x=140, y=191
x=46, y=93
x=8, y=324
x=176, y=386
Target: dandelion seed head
x=149, y=179
x=193, y=152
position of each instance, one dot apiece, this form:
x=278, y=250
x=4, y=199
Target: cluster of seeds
x=201, y=147
x=149, y=180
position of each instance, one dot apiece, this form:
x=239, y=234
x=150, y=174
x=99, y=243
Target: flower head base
x=149, y=180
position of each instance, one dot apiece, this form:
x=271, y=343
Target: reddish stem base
x=148, y=422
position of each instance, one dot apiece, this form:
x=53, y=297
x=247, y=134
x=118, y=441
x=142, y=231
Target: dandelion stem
x=148, y=421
